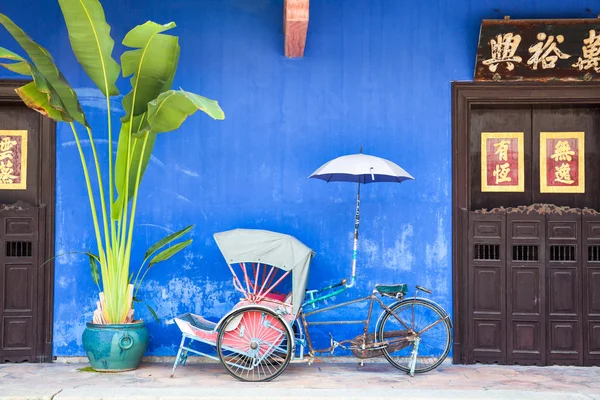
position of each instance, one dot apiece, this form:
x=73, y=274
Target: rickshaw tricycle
x=266, y=329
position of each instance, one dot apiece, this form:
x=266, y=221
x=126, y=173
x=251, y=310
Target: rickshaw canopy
x=276, y=249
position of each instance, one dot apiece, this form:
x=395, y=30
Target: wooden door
x=563, y=294
x=525, y=291
x=487, y=288
x=569, y=282
x=591, y=289
x=26, y=230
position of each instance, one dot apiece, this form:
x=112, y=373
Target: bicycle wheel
x=254, y=345
x=420, y=319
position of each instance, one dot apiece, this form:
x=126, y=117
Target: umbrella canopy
x=361, y=168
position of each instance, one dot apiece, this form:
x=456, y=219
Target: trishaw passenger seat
x=392, y=290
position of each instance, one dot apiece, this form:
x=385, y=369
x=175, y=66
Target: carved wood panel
x=20, y=275
x=563, y=267
x=591, y=289
x=525, y=289
x=534, y=287
x=487, y=282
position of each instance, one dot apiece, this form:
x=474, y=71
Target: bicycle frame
x=371, y=298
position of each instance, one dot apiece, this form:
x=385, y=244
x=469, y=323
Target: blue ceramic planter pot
x=114, y=348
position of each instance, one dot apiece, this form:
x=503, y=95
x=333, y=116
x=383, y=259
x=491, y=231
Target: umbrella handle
x=355, y=248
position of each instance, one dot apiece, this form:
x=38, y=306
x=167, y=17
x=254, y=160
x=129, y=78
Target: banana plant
x=152, y=107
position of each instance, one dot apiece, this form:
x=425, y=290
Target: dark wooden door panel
x=19, y=286
x=560, y=118
x=525, y=293
x=591, y=289
x=525, y=241
x=17, y=334
x=593, y=292
x=487, y=283
x=488, y=344
x=526, y=342
x=19, y=282
x=27, y=238
x=498, y=119
x=564, y=292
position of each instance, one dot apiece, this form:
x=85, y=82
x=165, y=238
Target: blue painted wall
x=376, y=73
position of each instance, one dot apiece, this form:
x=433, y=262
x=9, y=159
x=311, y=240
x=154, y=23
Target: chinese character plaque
x=13, y=160
x=502, y=162
x=562, y=162
x=567, y=50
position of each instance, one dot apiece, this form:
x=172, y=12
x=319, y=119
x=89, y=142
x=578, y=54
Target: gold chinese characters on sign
x=13, y=160
x=562, y=162
x=539, y=50
x=502, y=162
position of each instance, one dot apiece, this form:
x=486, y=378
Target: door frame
x=465, y=95
x=46, y=199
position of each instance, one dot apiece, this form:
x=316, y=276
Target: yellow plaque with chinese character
x=502, y=162
x=13, y=160
x=562, y=162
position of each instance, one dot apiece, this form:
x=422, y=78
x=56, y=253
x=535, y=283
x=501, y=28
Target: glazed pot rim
x=133, y=325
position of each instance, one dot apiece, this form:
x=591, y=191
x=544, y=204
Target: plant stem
x=134, y=203
x=92, y=208
x=111, y=183
x=102, y=201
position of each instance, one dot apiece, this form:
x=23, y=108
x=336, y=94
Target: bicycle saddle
x=392, y=290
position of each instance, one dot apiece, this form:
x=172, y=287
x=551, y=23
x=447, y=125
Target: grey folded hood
x=271, y=248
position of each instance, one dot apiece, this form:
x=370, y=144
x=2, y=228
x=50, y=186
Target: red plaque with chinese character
x=502, y=162
x=562, y=162
x=13, y=160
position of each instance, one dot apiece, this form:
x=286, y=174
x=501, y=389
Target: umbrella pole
x=355, y=250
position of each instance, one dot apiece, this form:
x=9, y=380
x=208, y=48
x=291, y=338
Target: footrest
x=392, y=290
x=194, y=321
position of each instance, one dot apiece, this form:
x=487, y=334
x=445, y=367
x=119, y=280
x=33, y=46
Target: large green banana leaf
x=169, y=252
x=152, y=65
x=38, y=101
x=168, y=111
x=91, y=42
x=166, y=240
x=38, y=95
x=44, y=63
x=137, y=144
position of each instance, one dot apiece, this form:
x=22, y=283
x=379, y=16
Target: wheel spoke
x=265, y=350
x=428, y=324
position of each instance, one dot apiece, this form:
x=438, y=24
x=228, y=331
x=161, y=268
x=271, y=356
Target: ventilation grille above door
x=525, y=253
x=562, y=253
x=18, y=249
x=487, y=252
x=594, y=253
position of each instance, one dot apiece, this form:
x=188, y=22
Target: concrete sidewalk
x=300, y=381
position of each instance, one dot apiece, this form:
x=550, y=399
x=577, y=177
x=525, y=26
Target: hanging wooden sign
x=13, y=160
x=538, y=50
x=502, y=162
x=562, y=162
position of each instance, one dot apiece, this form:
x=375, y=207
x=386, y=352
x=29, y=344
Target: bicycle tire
x=243, y=332
x=400, y=361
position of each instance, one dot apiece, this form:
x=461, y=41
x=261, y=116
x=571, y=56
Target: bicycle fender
x=257, y=307
x=432, y=303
